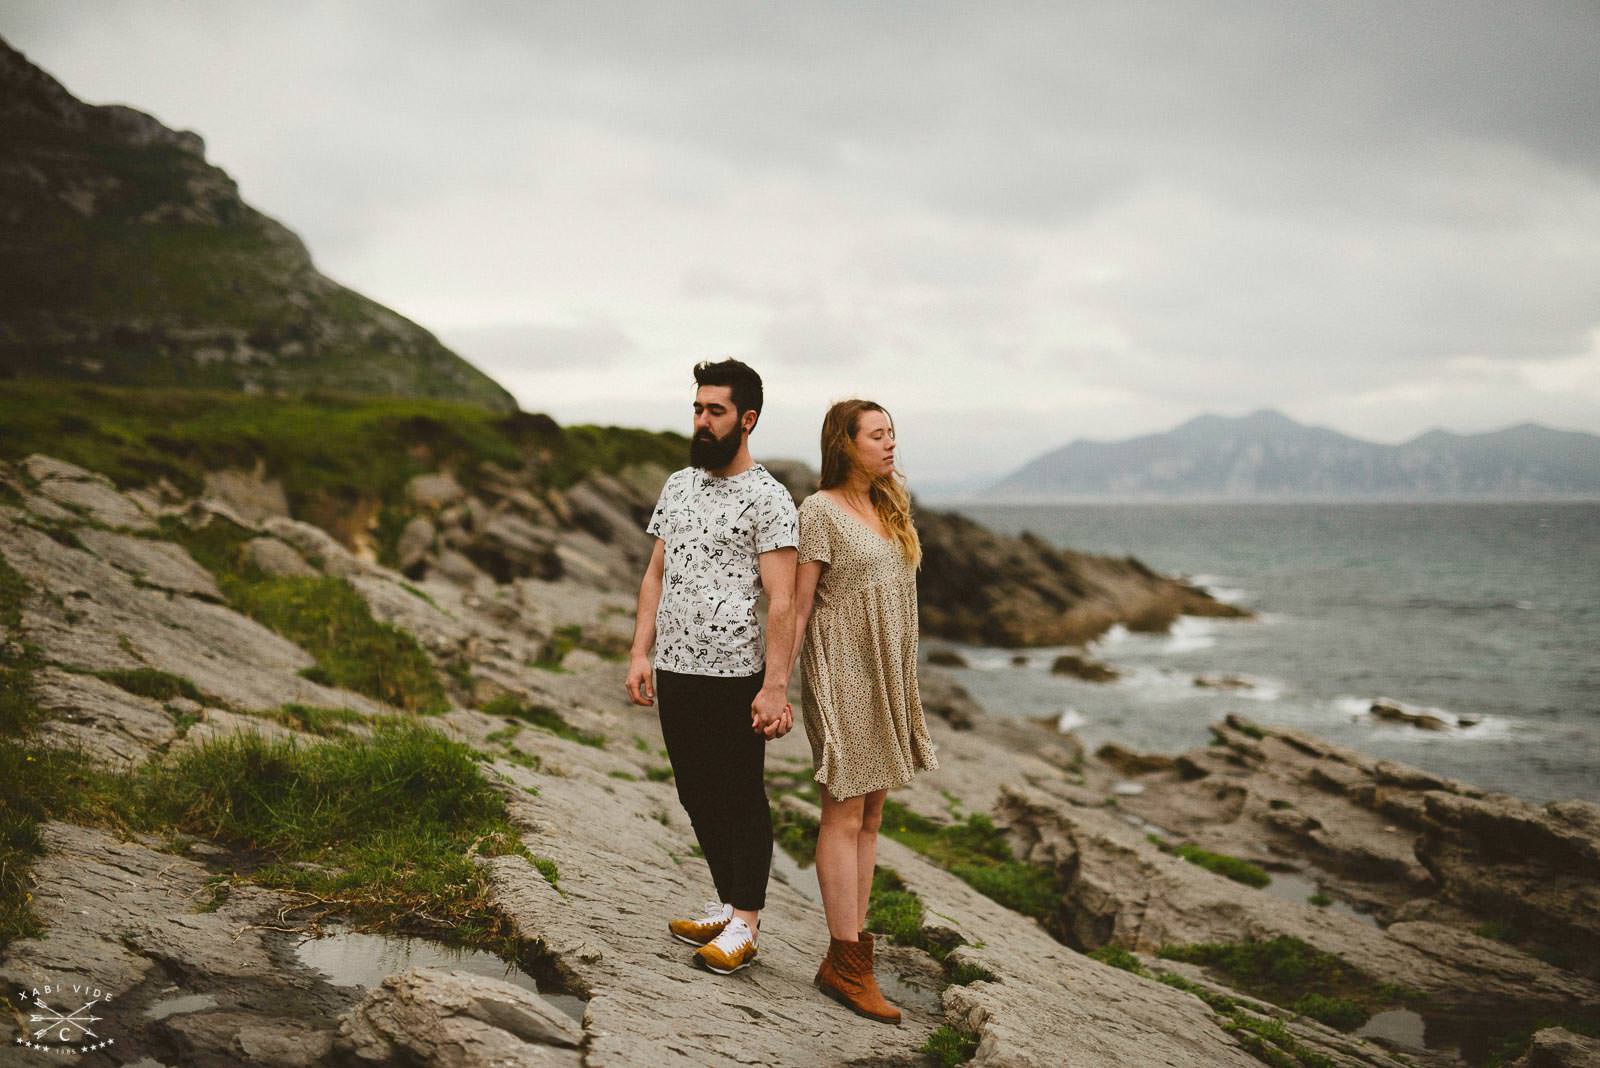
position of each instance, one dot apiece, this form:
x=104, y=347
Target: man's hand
x=641, y=683
x=769, y=714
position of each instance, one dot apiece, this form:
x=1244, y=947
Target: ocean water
x=1487, y=615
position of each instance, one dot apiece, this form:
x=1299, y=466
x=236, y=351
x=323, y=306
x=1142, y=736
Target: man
x=725, y=529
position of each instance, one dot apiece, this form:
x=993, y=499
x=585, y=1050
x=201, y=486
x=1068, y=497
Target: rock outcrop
x=1413, y=865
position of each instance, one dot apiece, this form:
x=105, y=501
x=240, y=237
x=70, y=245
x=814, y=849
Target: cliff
x=126, y=258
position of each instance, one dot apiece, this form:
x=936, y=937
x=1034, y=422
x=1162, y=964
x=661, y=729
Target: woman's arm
x=805, y=598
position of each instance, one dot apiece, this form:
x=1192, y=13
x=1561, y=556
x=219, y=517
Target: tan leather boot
x=846, y=976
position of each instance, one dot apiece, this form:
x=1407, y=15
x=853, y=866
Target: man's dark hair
x=741, y=378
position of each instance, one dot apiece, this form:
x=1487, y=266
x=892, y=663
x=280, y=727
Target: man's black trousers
x=718, y=762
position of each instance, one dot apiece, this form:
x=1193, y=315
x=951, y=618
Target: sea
x=1485, y=615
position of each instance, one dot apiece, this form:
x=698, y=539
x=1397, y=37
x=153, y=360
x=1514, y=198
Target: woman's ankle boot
x=846, y=976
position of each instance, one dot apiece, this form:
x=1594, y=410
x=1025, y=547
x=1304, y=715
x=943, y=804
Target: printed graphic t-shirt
x=714, y=528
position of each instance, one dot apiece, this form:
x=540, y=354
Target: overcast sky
x=1012, y=224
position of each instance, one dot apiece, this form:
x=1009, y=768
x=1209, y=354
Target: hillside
x=1267, y=455
x=126, y=258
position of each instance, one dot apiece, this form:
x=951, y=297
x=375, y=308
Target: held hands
x=641, y=683
x=770, y=715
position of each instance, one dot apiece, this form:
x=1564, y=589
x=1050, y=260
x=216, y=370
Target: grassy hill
x=126, y=258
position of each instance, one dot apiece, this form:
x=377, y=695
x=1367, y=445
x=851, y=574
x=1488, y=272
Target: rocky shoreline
x=1450, y=921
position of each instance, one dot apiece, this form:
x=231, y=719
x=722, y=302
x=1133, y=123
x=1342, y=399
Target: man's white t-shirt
x=714, y=528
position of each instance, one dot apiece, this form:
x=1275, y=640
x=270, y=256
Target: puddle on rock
x=907, y=992
x=802, y=880
x=1292, y=886
x=1398, y=1027
x=183, y=1003
x=355, y=958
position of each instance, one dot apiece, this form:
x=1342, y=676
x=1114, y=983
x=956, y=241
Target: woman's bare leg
x=867, y=850
x=838, y=845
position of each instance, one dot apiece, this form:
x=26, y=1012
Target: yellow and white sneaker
x=731, y=950
x=702, y=929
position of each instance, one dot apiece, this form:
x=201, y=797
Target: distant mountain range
x=126, y=258
x=1266, y=455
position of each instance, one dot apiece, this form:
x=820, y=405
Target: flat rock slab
x=453, y=1019
x=112, y=726
x=160, y=564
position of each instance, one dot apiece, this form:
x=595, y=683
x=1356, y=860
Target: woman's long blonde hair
x=888, y=494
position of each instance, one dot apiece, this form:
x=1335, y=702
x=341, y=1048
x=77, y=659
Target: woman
x=856, y=609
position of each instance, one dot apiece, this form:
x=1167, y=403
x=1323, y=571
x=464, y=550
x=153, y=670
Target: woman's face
x=875, y=444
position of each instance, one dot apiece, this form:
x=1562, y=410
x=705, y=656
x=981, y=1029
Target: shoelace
x=736, y=934
x=713, y=911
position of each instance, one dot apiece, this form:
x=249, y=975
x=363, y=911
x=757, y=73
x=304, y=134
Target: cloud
x=1098, y=219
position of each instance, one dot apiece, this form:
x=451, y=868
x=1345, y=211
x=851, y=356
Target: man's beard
x=712, y=453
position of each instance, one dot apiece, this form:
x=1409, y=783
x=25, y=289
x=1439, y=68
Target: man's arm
x=641, y=685
x=777, y=578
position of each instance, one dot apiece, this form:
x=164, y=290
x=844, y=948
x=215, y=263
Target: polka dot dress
x=862, y=709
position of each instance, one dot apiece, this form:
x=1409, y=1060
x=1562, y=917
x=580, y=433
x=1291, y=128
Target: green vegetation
x=1268, y=1040
x=1339, y=1013
x=625, y=776
x=1320, y=899
x=312, y=719
x=325, y=616
x=975, y=851
x=543, y=717
x=1240, y=871
x=1118, y=957
x=342, y=459
x=380, y=830
x=548, y=869
x=949, y=1046
x=658, y=773
x=1298, y=976
x=896, y=913
x=1512, y=1046
x=963, y=973
x=36, y=779
x=148, y=682
x=562, y=642
x=795, y=834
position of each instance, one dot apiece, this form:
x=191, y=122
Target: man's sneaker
x=702, y=929
x=731, y=950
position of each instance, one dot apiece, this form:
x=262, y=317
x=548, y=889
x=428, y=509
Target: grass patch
x=548, y=869
x=148, y=682
x=312, y=719
x=1240, y=871
x=1118, y=957
x=1339, y=1013
x=1268, y=1040
x=975, y=851
x=39, y=783
x=330, y=450
x=1320, y=899
x=381, y=829
x=896, y=913
x=950, y=1046
x=1287, y=971
x=562, y=642
x=795, y=834
x=658, y=773
x=964, y=973
x=325, y=616
x=543, y=717
x=625, y=776
x=1512, y=1046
